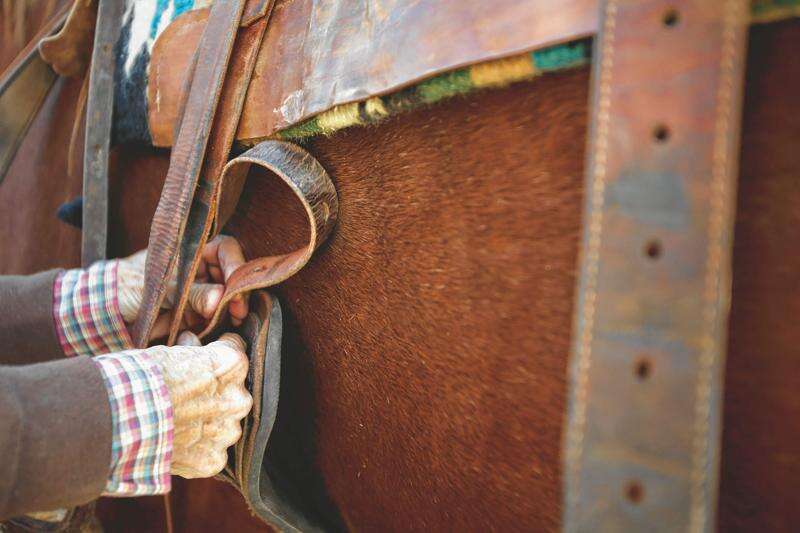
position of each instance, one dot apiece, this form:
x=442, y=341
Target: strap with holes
x=650, y=320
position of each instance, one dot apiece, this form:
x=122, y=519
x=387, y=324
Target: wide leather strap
x=650, y=322
x=312, y=187
x=201, y=213
x=24, y=84
x=169, y=221
x=99, y=113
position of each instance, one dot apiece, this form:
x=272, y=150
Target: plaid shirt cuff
x=86, y=311
x=142, y=422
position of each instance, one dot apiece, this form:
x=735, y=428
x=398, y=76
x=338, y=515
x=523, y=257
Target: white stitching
x=599, y=164
x=717, y=222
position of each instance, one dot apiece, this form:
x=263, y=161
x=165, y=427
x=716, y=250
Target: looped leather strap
x=203, y=206
x=313, y=188
x=169, y=221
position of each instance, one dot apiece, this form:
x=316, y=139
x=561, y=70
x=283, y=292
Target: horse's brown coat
x=35, y=185
x=427, y=342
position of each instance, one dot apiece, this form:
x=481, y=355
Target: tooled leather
x=314, y=190
x=201, y=214
x=186, y=159
x=650, y=323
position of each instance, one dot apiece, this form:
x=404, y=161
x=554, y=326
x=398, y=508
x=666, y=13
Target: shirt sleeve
x=86, y=311
x=142, y=424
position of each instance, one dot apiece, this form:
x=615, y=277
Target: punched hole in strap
x=661, y=133
x=653, y=249
x=671, y=18
x=634, y=491
x=642, y=368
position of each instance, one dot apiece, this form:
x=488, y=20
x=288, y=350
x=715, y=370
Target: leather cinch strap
x=203, y=207
x=650, y=324
x=170, y=219
x=313, y=189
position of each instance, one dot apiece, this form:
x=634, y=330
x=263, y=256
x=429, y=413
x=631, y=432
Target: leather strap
x=650, y=323
x=264, y=484
x=314, y=190
x=23, y=87
x=99, y=112
x=170, y=219
x=201, y=213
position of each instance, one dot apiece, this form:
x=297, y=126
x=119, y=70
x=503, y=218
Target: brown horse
x=426, y=343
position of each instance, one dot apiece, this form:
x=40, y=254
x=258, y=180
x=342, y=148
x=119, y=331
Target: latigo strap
x=203, y=207
x=650, y=323
x=169, y=221
x=247, y=467
x=314, y=190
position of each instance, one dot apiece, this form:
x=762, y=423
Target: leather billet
x=99, y=114
x=641, y=447
x=201, y=212
x=186, y=160
x=312, y=187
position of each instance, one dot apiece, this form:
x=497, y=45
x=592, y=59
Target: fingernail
x=213, y=297
x=187, y=338
x=235, y=340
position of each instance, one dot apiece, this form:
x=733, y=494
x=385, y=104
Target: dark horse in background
x=426, y=344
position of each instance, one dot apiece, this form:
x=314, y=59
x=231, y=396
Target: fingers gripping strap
x=169, y=221
x=313, y=188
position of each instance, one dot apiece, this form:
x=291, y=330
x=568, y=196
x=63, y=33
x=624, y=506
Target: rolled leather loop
x=313, y=188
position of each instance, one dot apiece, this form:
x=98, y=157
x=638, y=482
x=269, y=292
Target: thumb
x=230, y=363
x=187, y=338
x=232, y=340
x=205, y=297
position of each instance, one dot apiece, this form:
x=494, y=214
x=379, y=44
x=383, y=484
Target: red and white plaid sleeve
x=142, y=422
x=88, y=322
x=86, y=311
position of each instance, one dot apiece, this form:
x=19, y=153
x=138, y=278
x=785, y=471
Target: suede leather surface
x=55, y=419
x=55, y=435
x=27, y=331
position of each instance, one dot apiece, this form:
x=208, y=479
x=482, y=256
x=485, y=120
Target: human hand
x=220, y=258
x=209, y=400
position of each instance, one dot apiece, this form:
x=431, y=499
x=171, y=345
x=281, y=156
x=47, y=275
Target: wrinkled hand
x=206, y=387
x=220, y=258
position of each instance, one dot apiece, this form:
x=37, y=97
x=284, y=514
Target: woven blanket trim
x=764, y=11
x=491, y=74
